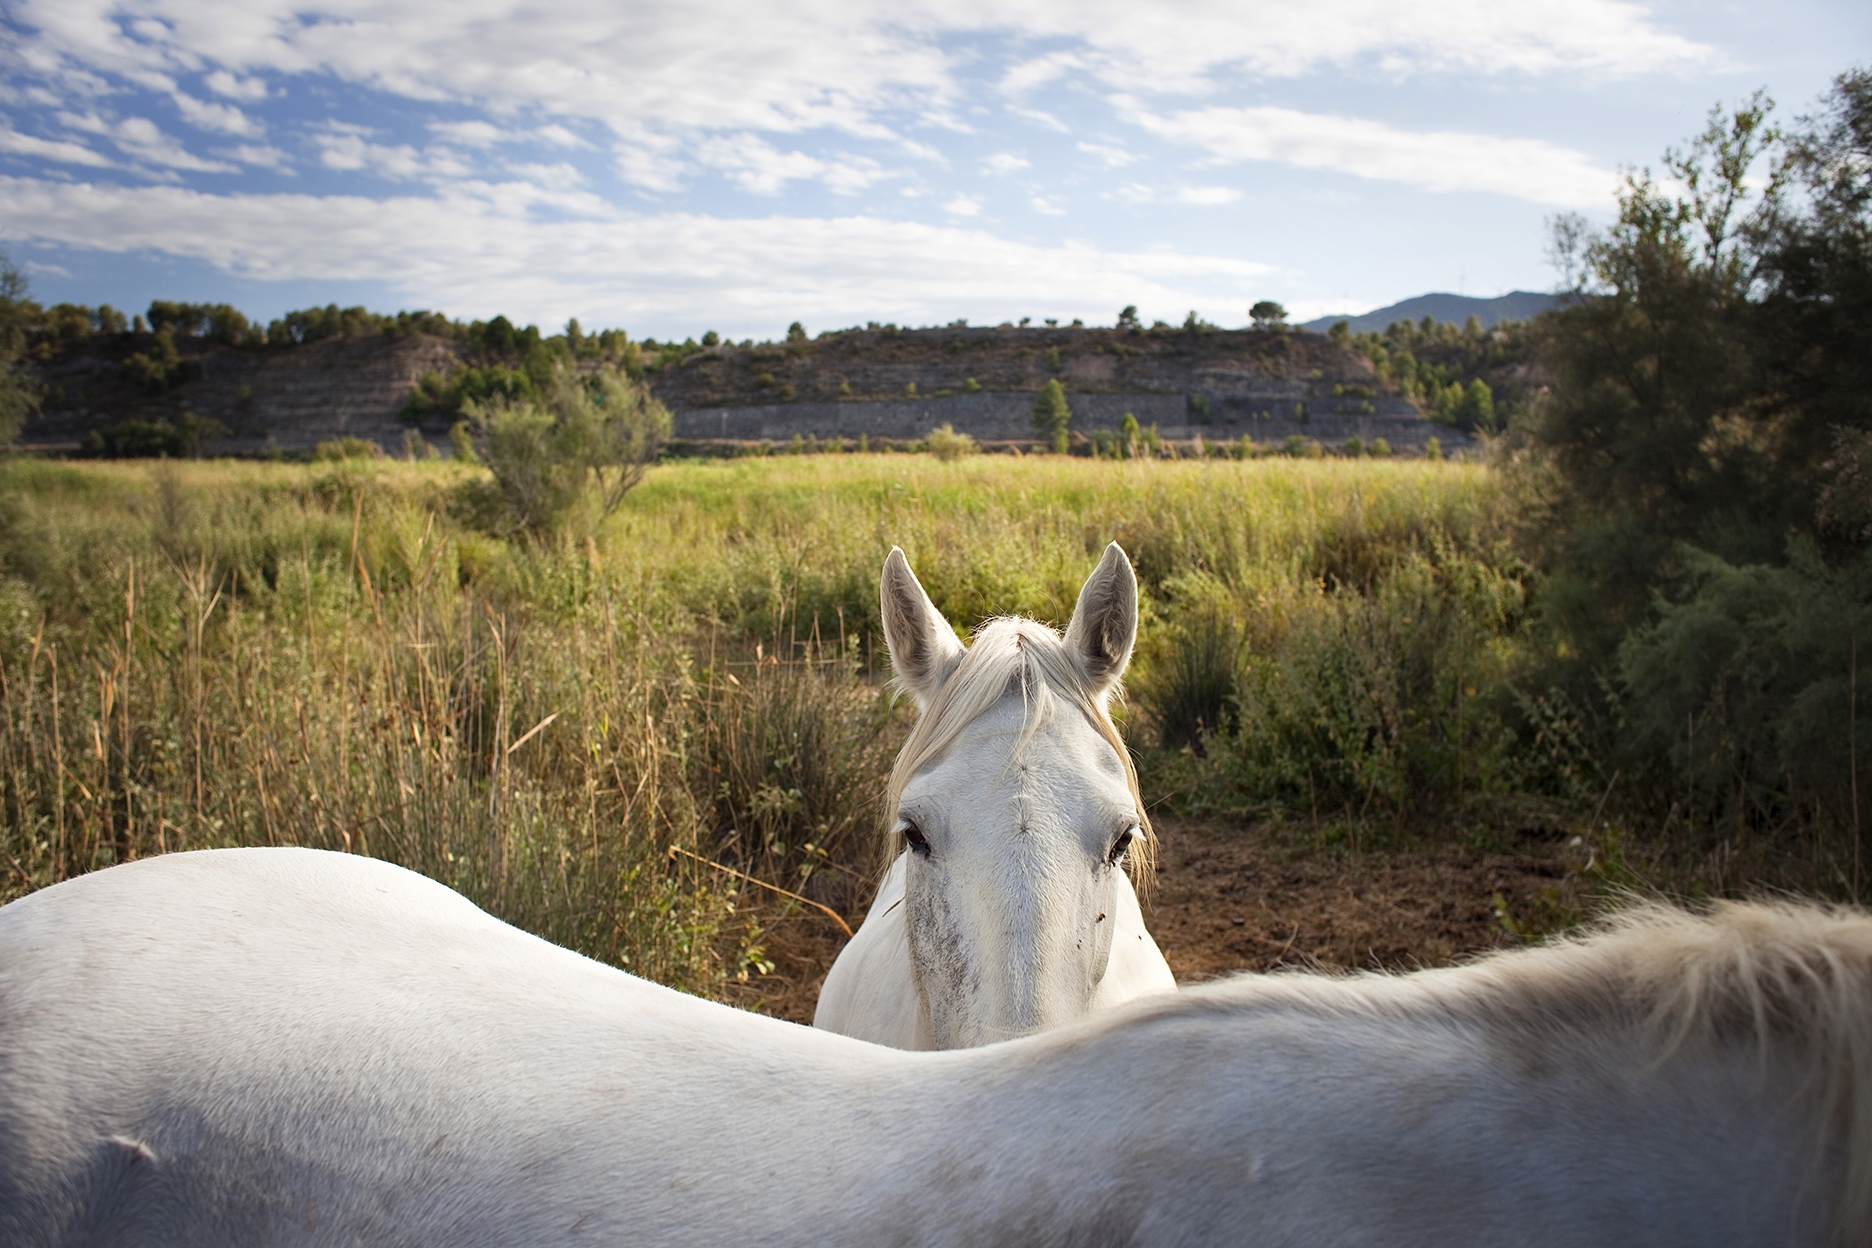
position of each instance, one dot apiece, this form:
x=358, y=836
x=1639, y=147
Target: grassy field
x=581, y=735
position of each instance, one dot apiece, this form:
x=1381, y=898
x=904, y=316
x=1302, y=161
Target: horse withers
x=1015, y=810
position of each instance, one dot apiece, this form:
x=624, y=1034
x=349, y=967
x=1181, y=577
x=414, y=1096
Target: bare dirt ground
x=1232, y=899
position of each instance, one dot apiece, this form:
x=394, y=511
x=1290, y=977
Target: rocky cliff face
x=881, y=383
x=902, y=383
x=292, y=398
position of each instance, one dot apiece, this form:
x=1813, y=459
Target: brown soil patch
x=1232, y=899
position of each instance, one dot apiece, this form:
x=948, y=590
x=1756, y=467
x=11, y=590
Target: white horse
x=1016, y=808
x=292, y=1047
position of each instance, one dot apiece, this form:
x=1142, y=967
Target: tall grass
x=228, y=654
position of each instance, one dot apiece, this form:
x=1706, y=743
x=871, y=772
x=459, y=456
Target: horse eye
x=1120, y=845
x=914, y=835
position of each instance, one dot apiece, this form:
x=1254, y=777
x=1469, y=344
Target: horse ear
x=1104, y=624
x=923, y=648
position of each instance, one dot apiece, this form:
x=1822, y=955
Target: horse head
x=1017, y=805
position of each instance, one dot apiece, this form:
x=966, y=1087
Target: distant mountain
x=1517, y=305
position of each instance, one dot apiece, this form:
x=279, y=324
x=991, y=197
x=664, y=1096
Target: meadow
x=646, y=739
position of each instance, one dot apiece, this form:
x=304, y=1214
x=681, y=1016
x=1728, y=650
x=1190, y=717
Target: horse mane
x=1010, y=654
x=1790, y=981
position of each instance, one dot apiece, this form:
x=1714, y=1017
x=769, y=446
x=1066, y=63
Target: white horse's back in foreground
x=288, y=1047
x=1017, y=810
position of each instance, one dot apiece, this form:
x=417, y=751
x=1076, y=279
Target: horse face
x=1010, y=888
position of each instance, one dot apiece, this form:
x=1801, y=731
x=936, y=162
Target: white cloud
x=761, y=168
x=1042, y=118
x=791, y=64
x=344, y=149
x=264, y=155
x=471, y=133
x=1039, y=71
x=1004, y=162
x=222, y=118
x=1441, y=160
x=479, y=133
x=963, y=206
x=1113, y=157
x=223, y=83
x=1188, y=45
x=142, y=140
x=1208, y=196
x=1046, y=207
x=558, y=177
x=661, y=78
x=1133, y=193
x=477, y=249
x=19, y=144
x=923, y=151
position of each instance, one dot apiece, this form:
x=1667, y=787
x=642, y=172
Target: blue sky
x=676, y=168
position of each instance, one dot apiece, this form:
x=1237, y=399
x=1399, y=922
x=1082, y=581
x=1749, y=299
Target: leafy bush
x=185, y=437
x=1741, y=699
x=1372, y=702
x=947, y=445
x=545, y=456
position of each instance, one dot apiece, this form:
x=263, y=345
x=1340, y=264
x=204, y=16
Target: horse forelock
x=1014, y=655
x=1787, y=984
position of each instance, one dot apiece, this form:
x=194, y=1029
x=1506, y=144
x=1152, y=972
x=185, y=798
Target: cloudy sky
x=671, y=168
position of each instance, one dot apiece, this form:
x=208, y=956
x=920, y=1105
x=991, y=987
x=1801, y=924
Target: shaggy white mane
x=1791, y=984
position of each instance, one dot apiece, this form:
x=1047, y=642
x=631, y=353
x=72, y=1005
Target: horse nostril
x=1098, y=920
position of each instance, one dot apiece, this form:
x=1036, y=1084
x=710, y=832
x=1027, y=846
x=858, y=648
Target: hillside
x=1518, y=305
x=879, y=382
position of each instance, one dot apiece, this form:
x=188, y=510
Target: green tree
x=1267, y=315
x=1643, y=441
x=1477, y=410
x=1683, y=480
x=1128, y=319
x=1051, y=415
